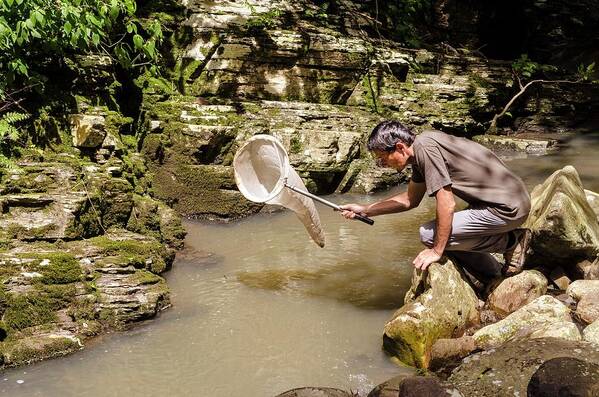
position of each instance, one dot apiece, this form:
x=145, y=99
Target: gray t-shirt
x=476, y=174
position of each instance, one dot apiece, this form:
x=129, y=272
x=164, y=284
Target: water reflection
x=360, y=283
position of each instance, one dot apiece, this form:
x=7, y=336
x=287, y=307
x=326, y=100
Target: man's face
x=397, y=158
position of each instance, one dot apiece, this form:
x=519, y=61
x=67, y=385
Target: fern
x=8, y=130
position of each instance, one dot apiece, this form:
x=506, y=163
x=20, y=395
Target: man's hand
x=425, y=258
x=350, y=210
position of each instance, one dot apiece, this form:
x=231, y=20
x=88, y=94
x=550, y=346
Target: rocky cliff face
x=82, y=245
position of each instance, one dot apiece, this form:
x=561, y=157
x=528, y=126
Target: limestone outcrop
x=565, y=228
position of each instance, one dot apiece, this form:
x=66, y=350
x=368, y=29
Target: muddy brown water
x=259, y=309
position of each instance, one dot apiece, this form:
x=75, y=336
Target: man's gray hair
x=385, y=135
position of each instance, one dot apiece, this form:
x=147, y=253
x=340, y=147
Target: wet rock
x=560, y=278
x=315, y=392
x=440, y=304
x=426, y=386
x=563, y=224
x=564, y=376
x=507, y=370
x=591, y=333
x=389, y=388
x=517, y=291
x=415, y=386
x=539, y=316
x=88, y=131
x=448, y=353
x=40, y=345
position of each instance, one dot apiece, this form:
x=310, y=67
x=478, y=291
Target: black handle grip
x=364, y=219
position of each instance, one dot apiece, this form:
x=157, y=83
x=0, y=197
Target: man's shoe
x=516, y=256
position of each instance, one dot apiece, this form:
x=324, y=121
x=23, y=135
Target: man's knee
x=427, y=234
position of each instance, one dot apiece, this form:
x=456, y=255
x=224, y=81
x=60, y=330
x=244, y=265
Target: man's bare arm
x=400, y=202
x=445, y=209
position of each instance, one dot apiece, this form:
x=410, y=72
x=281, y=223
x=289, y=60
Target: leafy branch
x=524, y=68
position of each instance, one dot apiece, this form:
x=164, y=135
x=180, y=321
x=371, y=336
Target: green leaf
x=96, y=39
x=138, y=41
x=67, y=27
x=30, y=23
x=9, y=2
x=39, y=17
x=150, y=49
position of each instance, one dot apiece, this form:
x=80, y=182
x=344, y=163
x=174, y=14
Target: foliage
x=262, y=20
x=400, y=17
x=527, y=68
x=585, y=73
x=8, y=129
x=33, y=30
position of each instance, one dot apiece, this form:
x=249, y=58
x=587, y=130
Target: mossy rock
x=37, y=347
x=28, y=310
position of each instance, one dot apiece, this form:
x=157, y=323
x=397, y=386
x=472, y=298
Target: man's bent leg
x=475, y=229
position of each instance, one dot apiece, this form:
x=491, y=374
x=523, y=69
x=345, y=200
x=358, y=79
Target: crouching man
x=444, y=166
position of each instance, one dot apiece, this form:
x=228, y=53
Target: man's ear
x=400, y=147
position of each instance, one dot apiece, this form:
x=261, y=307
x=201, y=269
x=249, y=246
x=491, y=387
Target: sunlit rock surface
x=563, y=223
x=440, y=304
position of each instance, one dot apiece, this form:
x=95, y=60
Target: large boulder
x=517, y=291
x=88, y=131
x=564, y=225
x=507, y=370
x=544, y=314
x=440, y=304
x=415, y=386
x=565, y=376
x=593, y=199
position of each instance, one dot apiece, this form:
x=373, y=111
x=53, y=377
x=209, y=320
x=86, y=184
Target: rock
x=581, y=288
x=586, y=269
x=389, y=388
x=537, y=316
x=503, y=143
x=87, y=130
x=507, y=370
x=415, y=386
x=563, y=224
x=564, y=376
x=517, y=291
x=40, y=345
x=587, y=309
x=315, y=392
x=426, y=386
x=559, y=278
x=448, y=353
x=363, y=176
x=591, y=333
x=563, y=330
x=440, y=304
x=593, y=199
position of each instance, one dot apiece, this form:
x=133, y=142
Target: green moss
x=295, y=145
x=63, y=268
x=83, y=310
x=34, y=349
x=148, y=254
x=28, y=310
x=59, y=295
x=144, y=277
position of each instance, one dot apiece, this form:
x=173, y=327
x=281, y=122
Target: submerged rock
x=440, y=304
x=517, y=291
x=563, y=224
x=538, y=145
x=507, y=370
x=542, y=315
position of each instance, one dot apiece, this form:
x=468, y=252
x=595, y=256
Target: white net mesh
x=261, y=170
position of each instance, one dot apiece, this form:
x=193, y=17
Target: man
x=444, y=166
